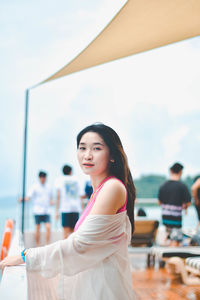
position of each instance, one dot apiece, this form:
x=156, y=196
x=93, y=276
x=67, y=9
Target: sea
x=11, y=208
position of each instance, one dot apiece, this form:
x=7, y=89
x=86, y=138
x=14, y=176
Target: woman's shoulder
x=110, y=198
x=114, y=184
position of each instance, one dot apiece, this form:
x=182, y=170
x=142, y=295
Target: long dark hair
x=119, y=168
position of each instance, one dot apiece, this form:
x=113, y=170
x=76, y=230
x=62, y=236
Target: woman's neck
x=97, y=180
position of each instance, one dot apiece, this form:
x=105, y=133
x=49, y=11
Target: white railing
x=147, y=201
x=14, y=279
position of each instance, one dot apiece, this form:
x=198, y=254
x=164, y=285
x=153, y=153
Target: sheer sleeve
x=97, y=238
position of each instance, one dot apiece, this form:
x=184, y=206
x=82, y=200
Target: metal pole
x=24, y=163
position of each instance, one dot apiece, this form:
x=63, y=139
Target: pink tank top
x=92, y=201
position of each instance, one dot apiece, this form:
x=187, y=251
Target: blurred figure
x=88, y=189
x=68, y=200
x=88, y=193
x=173, y=197
x=141, y=212
x=41, y=195
x=196, y=196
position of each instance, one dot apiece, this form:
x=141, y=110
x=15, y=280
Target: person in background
x=68, y=200
x=88, y=189
x=88, y=193
x=173, y=197
x=141, y=212
x=41, y=195
x=196, y=196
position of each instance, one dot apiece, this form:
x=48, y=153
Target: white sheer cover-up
x=93, y=262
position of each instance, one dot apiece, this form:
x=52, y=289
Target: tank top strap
x=100, y=187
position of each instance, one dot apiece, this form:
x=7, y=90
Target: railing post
x=24, y=160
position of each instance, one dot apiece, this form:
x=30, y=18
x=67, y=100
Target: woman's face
x=93, y=154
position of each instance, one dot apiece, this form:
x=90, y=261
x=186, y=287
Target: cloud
x=150, y=99
x=172, y=142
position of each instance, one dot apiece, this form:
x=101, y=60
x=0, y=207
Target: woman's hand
x=11, y=261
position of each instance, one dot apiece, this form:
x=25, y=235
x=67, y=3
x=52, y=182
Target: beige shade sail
x=139, y=26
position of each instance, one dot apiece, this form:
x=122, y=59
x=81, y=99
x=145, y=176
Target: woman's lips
x=88, y=165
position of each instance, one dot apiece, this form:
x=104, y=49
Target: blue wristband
x=22, y=255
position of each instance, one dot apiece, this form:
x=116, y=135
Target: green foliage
x=147, y=186
x=188, y=181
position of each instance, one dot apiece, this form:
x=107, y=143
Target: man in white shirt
x=68, y=200
x=41, y=195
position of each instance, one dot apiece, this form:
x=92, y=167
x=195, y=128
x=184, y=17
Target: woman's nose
x=88, y=154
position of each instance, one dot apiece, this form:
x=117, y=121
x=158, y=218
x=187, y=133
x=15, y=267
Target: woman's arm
x=98, y=237
x=11, y=261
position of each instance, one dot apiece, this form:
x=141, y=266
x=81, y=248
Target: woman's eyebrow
x=96, y=143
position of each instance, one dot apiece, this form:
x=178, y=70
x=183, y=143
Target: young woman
x=93, y=261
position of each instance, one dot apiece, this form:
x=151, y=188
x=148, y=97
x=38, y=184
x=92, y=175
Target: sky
x=151, y=99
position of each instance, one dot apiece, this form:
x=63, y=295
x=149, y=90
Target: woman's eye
x=97, y=148
x=81, y=148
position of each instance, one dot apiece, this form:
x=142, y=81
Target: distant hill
x=147, y=186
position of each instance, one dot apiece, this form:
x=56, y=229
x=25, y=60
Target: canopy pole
x=24, y=160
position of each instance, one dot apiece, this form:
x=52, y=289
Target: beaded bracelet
x=22, y=255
